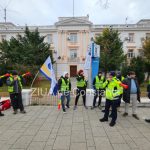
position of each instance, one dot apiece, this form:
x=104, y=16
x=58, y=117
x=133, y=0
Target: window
x=130, y=53
x=3, y=37
x=131, y=37
x=49, y=39
x=73, y=53
x=73, y=37
x=147, y=35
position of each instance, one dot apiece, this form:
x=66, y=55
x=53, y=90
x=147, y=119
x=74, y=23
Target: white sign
x=96, y=50
x=87, y=64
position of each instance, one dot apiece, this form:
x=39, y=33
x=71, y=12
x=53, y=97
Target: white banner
x=87, y=64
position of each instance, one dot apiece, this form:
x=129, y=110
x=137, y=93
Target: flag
x=48, y=71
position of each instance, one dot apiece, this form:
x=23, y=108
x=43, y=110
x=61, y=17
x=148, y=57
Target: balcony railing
x=71, y=59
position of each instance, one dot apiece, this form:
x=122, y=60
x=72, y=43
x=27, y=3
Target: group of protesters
x=114, y=87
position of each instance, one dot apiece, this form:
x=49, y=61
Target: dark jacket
x=126, y=92
x=60, y=82
x=148, y=90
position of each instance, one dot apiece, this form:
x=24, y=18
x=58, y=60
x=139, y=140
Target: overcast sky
x=46, y=12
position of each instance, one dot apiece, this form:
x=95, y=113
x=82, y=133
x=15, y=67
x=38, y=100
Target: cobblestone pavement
x=46, y=128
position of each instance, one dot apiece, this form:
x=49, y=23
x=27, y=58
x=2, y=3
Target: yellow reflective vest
x=11, y=87
x=112, y=89
x=99, y=82
x=64, y=86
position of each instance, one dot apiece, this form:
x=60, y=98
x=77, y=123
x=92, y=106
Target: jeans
x=63, y=96
x=113, y=104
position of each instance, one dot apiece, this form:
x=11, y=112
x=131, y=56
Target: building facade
x=70, y=37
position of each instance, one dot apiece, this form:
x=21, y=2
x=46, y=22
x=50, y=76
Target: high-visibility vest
x=112, y=89
x=120, y=87
x=64, y=86
x=99, y=82
x=11, y=87
x=81, y=83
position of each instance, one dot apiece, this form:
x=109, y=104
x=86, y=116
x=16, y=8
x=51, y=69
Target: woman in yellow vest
x=14, y=89
x=99, y=90
x=112, y=95
x=64, y=87
x=81, y=89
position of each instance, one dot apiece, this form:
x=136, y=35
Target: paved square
x=46, y=128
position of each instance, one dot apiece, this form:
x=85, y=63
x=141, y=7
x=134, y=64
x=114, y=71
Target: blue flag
x=48, y=71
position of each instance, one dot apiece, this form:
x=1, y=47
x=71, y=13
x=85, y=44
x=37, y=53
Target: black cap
x=14, y=72
x=100, y=72
x=112, y=73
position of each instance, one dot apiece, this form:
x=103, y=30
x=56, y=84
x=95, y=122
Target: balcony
x=71, y=59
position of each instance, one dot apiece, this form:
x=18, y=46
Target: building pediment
x=73, y=21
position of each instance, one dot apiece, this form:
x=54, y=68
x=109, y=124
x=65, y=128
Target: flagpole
x=34, y=79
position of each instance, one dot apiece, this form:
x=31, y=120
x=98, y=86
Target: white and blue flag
x=48, y=71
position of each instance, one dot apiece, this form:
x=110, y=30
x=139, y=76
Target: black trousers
x=16, y=101
x=119, y=101
x=98, y=93
x=113, y=104
x=80, y=91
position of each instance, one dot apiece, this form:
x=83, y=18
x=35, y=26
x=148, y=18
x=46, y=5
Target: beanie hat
x=64, y=74
x=80, y=71
x=14, y=72
x=112, y=73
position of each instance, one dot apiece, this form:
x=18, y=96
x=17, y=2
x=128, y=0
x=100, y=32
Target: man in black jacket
x=64, y=87
x=98, y=87
x=131, y=94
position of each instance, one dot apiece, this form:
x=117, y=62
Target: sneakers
x=125, y=114
x=1, y=114
x=135, y=116
x=100, y=107
x=85, y=107
x=23, y=111
x=15, y=112
x=93, y=107
x=112, y=123
x=147, y=120
x=103, y=120
x=64, y=112
x=67, y=106
x=75, y=107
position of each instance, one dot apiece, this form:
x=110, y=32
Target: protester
x=14, y=89
x=112, y=95
x=99, y=90
x=121, y=78
x=81, y=88
x=64, y=87
x=148, y=93
x=132, y=94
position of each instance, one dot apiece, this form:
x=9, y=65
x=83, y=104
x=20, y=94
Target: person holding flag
x=14, y=89
x=64, y=88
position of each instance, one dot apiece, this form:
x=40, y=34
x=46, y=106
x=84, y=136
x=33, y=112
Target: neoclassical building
x=70, y=36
